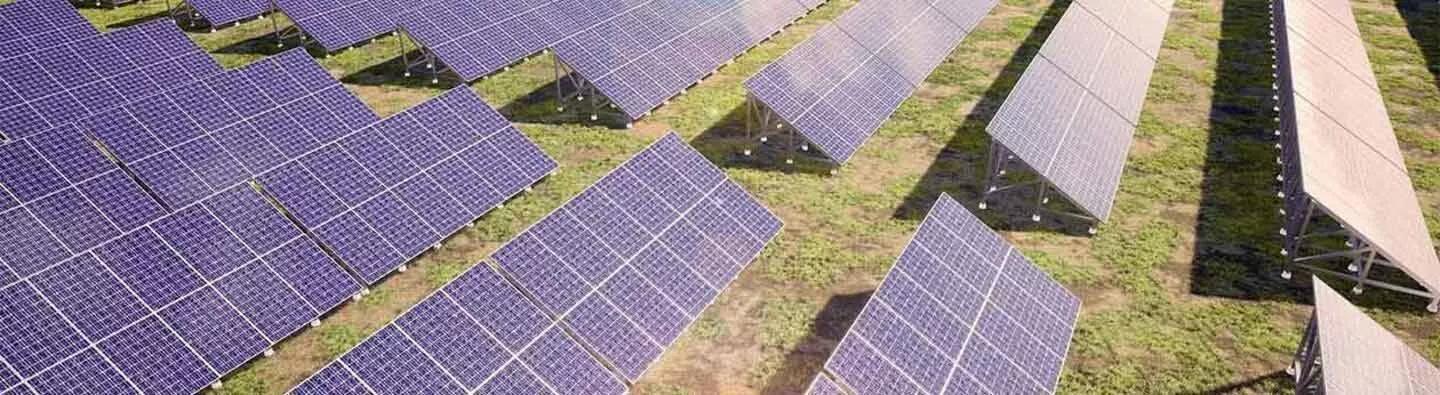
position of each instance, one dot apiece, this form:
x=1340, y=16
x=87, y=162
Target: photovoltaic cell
x=1339, y=148
x=214, y=329
x=924, y=331
x=1073, y=114
x=87, y=373
x=35, y=335
x=476, y=39
x=839, y=86
x=638, y=68
x=333, y=379
x=92, y=298
x=391, y=364
x=156, y=360
x=338, y=25
x=224, y=12
x=823, y=386
x=459, y=344
x=269, y=302
x=683, y=259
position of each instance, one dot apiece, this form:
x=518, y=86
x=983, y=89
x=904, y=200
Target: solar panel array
x=52, y=85
x=626, y=266
x=1339, y=148
x=30, y=25
x=386, y=193
x=1360, y=357
x=476, y=39
x=839, y=86
x=225, y=12
x=60, y=195
x=339, y=24
x=1073, y=114
x=961, y=311
x=162, y=298
x=642, y=56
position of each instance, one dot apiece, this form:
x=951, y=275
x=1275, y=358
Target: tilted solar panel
x=961, y=311
x=224, y=12
x=173, y=305
x=839, y=86
x=52, y=86
x=30, y=25
x=387, y=192
x=336, y=25
x=1340, y=156
x=626, y=266
x=1072, y=116
x=1358, y=354
x=645, y=55
x=476, y=39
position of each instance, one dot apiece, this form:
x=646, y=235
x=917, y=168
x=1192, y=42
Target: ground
x=1180, y=288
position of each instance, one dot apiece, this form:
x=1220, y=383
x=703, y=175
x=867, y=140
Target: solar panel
x=643, y=56
x=1341, y=162
x=839, y=86
x=603, y=291
x=824, y=386
x=54, y=84
x=336, y=25
x=960, y=312
x=377, y=205
x=1358, y=354
x=1073, y=114
x=219, y=13
x=486, y=334
x=476, y=39
x=37, y=24
x=477, y=332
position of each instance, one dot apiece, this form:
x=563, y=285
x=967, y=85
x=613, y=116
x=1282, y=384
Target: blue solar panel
x=270, y=303
x=32, y=246
x=384, y=160
x=74, y=219
x=251, y=218
x=823, y=386
x=458, y=343
x=156, y=360
x=87, y=373
x=214, y=329
x=42, y=101
x=639, y=67
x=224, y=12
x=312, y=273
x=203, y=241
x=514, y=379
x=433, y=204
x=498, y=305
x=399, y=225
x=149, y=267
x=33, y=336
x=928, y=329
x=646, y=295
x=477, y=39
x=333, y=379
x=90, y=296
x=360, y=247
x=560, y=361
x=338, y=25
x=121, y=200
x=392, y=364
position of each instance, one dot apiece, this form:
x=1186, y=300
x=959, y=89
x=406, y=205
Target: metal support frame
x=762, y=123
x=584, y=92
x=999, y=164
x=1308, y=246
x=1309, y=379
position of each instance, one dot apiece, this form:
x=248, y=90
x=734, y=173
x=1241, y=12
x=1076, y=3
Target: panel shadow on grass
x=1237, y=247
x=959, y=169
x=139, y=20
x=729, y=144
x=808, y=358
x=1422, y=19
x=392, y=73
x=1270, y=383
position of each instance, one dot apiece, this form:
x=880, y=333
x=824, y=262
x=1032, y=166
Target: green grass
x=1179, y=288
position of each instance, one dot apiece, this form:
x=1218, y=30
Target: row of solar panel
x=48, y=87
x=26, y=26
x=961, y=311
x=201, y=318
x=626, y=266
x=1073, y=114
x=642, y=57
x=839, y=86
x=1339, y=149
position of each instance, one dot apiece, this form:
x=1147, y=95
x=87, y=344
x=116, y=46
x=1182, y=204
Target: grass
x=1179, y=288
